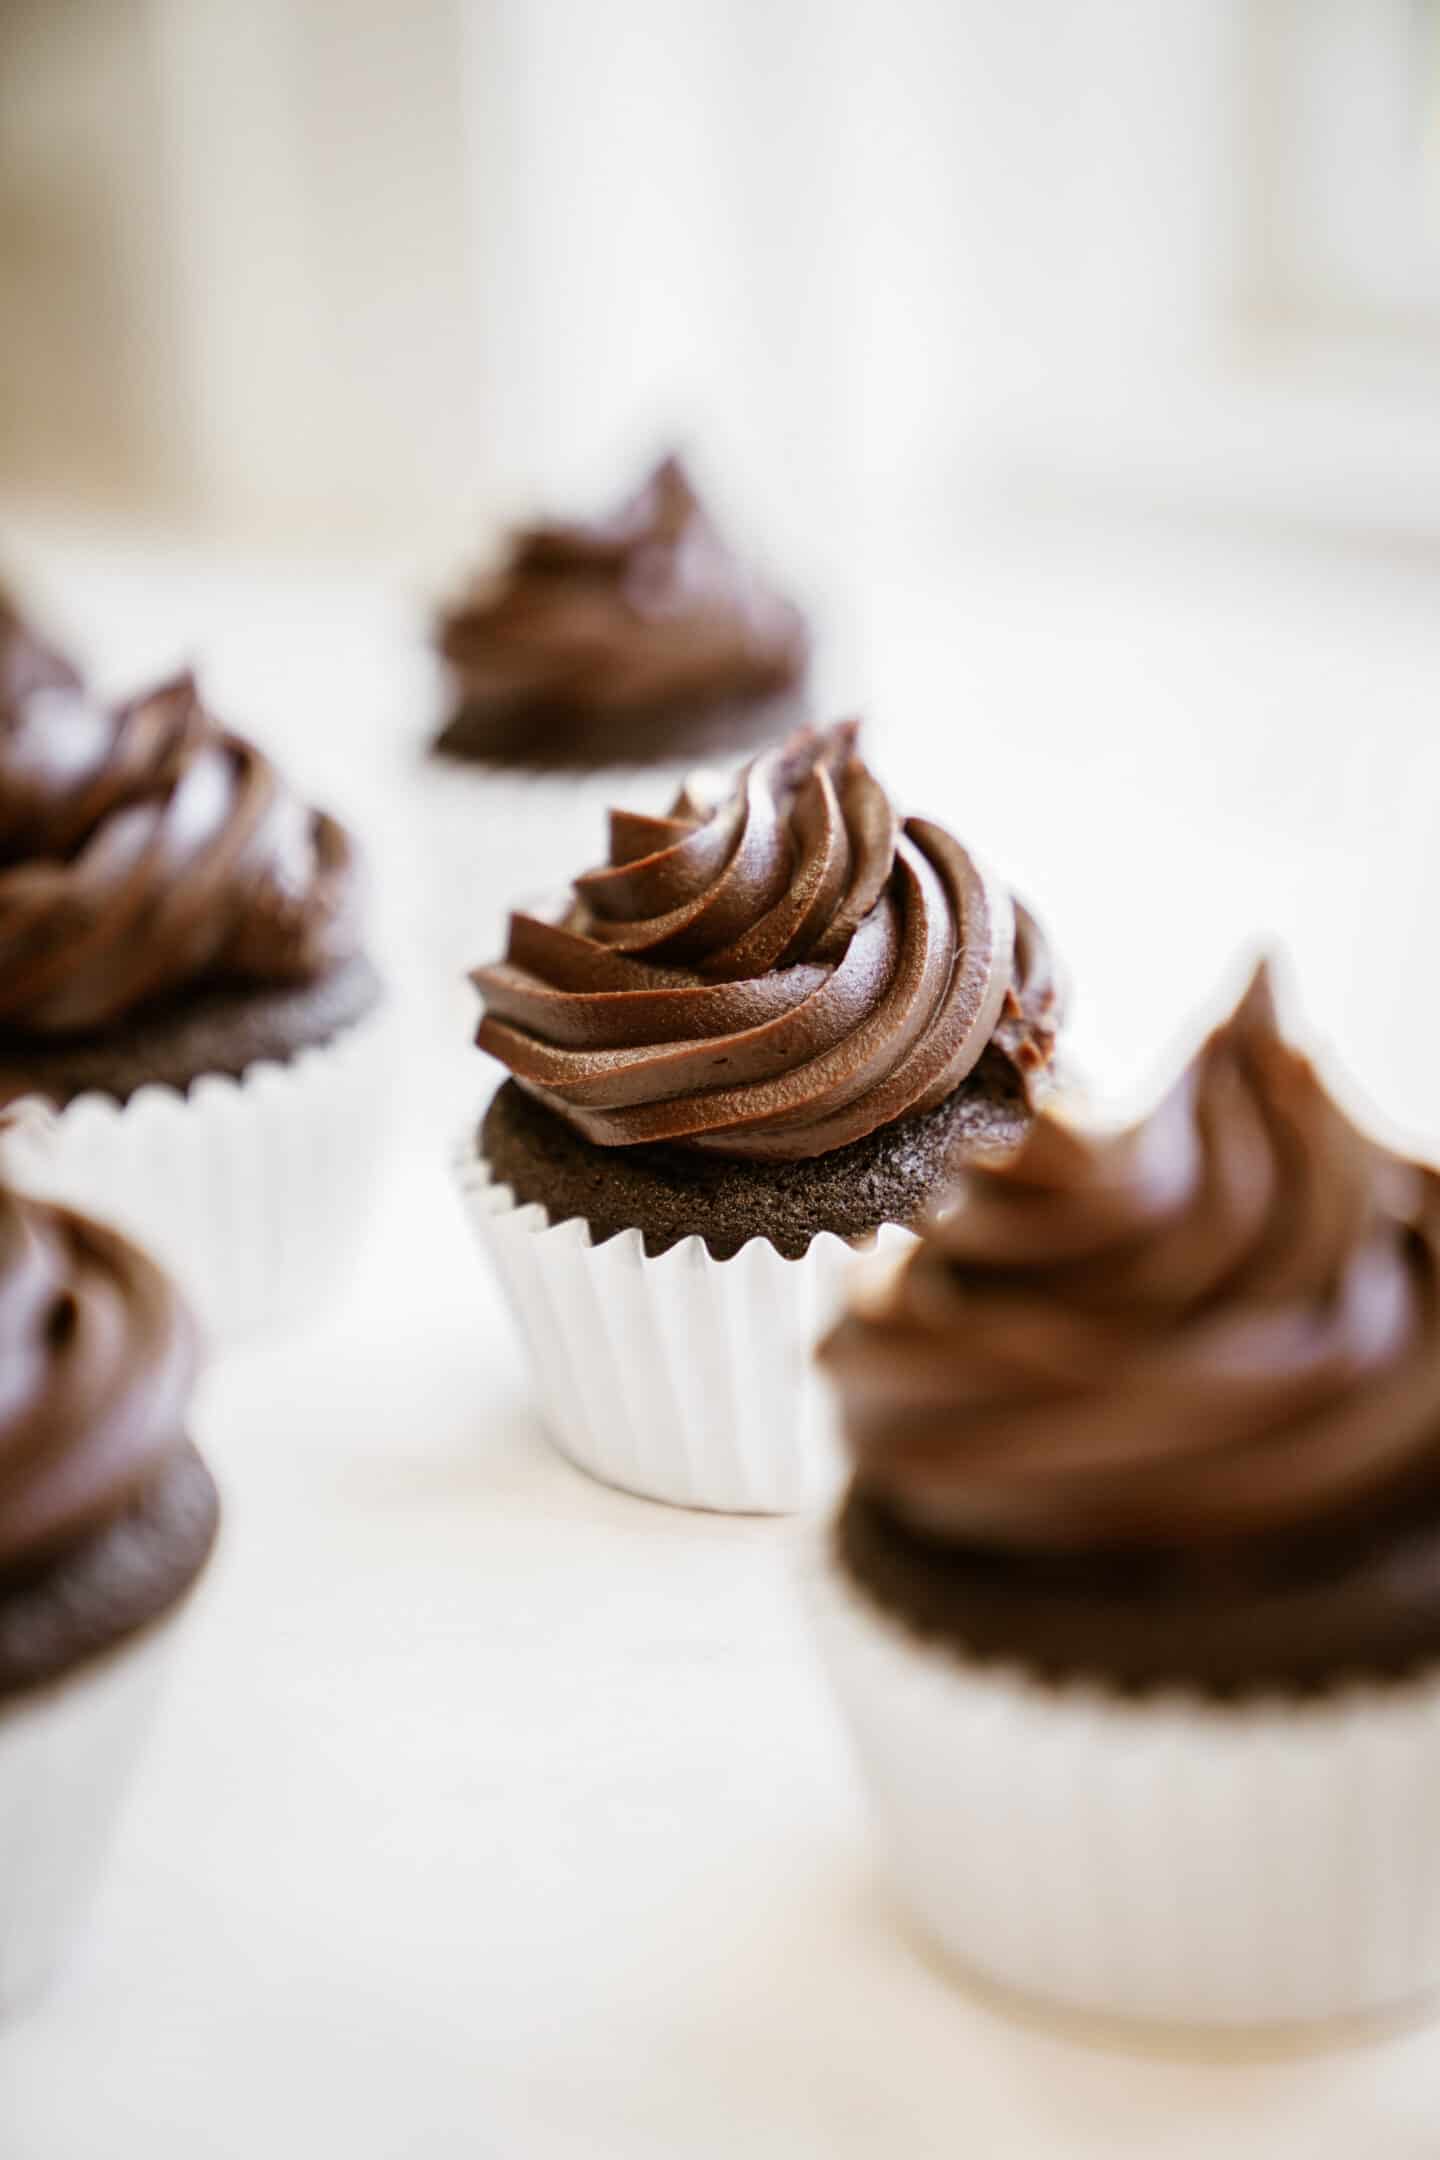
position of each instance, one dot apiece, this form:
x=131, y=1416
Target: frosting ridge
x=146, y=851
x=1222, y=1323
x=774, y=974
x=97, y=1360
x=629, y=612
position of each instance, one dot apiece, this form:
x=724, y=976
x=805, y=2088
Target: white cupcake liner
x=66, y=1755
x=1160, y=1859
x=682, y=1378
x=253, y=1192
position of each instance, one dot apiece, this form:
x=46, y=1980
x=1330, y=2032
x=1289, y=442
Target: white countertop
x=494, y=1813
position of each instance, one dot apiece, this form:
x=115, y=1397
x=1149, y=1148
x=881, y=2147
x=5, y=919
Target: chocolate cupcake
x=1134, y=1603
x=596, y=649
x=107, y=1516
x=188, y=1020
x=636, y=638
x=766, y=1031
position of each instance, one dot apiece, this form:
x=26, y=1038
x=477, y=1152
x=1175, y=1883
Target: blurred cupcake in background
x=634, y=640
x=1134, y=1603
x=107, y=1517
x=190, y=1033
x=27, y=662
x=763, y=1034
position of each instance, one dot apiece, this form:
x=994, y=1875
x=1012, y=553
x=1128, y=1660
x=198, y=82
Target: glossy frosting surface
x=97, y=1360
x=773, y=974
x=1221, y=1325
x=145, y=852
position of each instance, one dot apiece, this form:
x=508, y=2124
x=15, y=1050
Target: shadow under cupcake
x=1133, y=1606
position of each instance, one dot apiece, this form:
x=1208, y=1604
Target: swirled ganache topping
x=636, y=610
x=1221, y=1325
x=146, y=852
x=774, y=975
x=97, y=1360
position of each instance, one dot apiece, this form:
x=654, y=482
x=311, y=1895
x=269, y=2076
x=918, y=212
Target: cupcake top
x=98, y=1360
x=772, y=974
x=147, y=853
x=641, y=612
x=107, y=1514
x=1222, y=1325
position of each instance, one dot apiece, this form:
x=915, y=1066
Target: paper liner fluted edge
x=253, y=1191
x=67, y=1754
x=1160, y=1859
x=681, y=1378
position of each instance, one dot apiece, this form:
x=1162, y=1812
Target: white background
x=345, y=268
x=493, y=1813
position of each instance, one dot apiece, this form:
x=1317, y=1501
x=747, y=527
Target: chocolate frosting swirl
x=776, y=974
x=97, y=1360
x=639, y=609
x=144, y=852
x=1222, y=1324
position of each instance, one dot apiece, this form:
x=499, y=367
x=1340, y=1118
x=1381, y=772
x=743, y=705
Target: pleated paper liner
x=253, y=1192
x=1159, y=1859
x=681, y=1378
